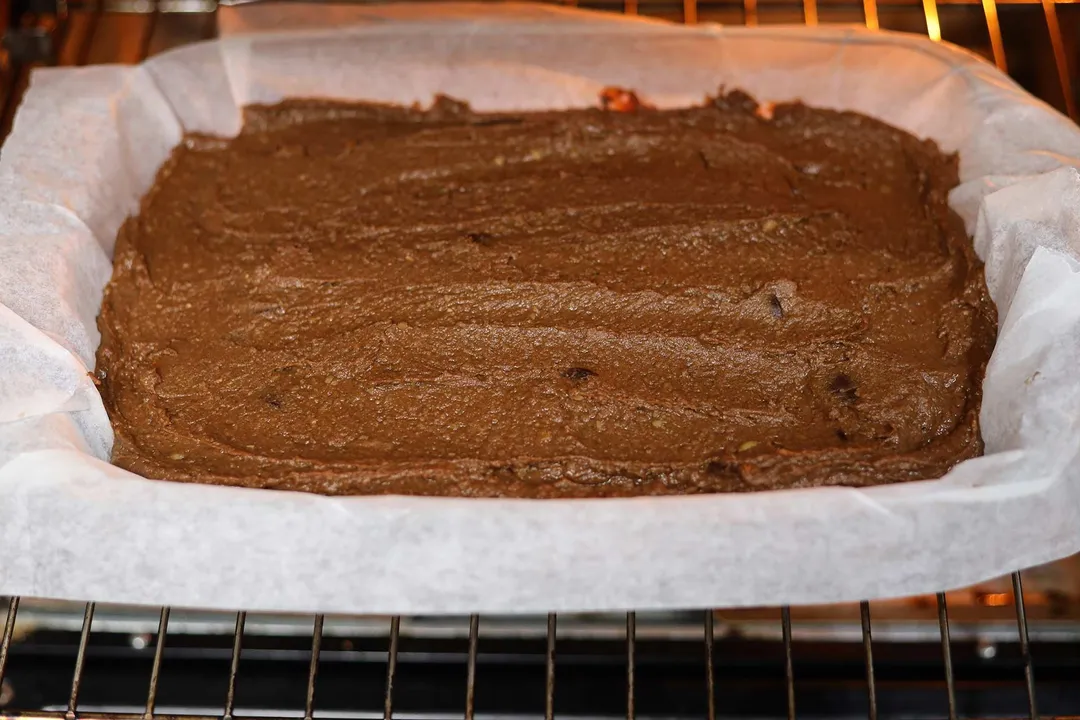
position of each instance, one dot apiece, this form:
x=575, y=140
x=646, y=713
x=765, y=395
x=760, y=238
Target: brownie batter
x=363, y=299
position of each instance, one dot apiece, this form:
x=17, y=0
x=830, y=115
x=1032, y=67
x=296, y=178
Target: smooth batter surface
x=362, y=299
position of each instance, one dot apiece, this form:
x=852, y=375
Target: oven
x=1005, y=648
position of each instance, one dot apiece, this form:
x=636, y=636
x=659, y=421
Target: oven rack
x=701, y=668
x=1037, y=41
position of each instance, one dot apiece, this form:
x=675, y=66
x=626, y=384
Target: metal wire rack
x=699, y=671
x=1036, y=40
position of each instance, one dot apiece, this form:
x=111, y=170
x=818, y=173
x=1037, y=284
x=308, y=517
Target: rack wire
x=1035, y=39
x=791, y=683
x=54, y=32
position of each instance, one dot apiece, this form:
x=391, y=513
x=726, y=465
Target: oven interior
x=1006, y=648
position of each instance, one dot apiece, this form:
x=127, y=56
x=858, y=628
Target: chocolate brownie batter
x=361, y=299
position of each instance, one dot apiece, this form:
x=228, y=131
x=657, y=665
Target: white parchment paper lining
x=86, y=145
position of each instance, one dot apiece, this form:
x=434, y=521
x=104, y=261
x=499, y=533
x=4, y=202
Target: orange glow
x=933, y=25
x=995, y=599
x=870, y=9
x=690, y=11
x=750, y=8
x=996, y=41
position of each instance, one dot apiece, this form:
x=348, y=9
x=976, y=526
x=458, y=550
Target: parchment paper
x=87, y=142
